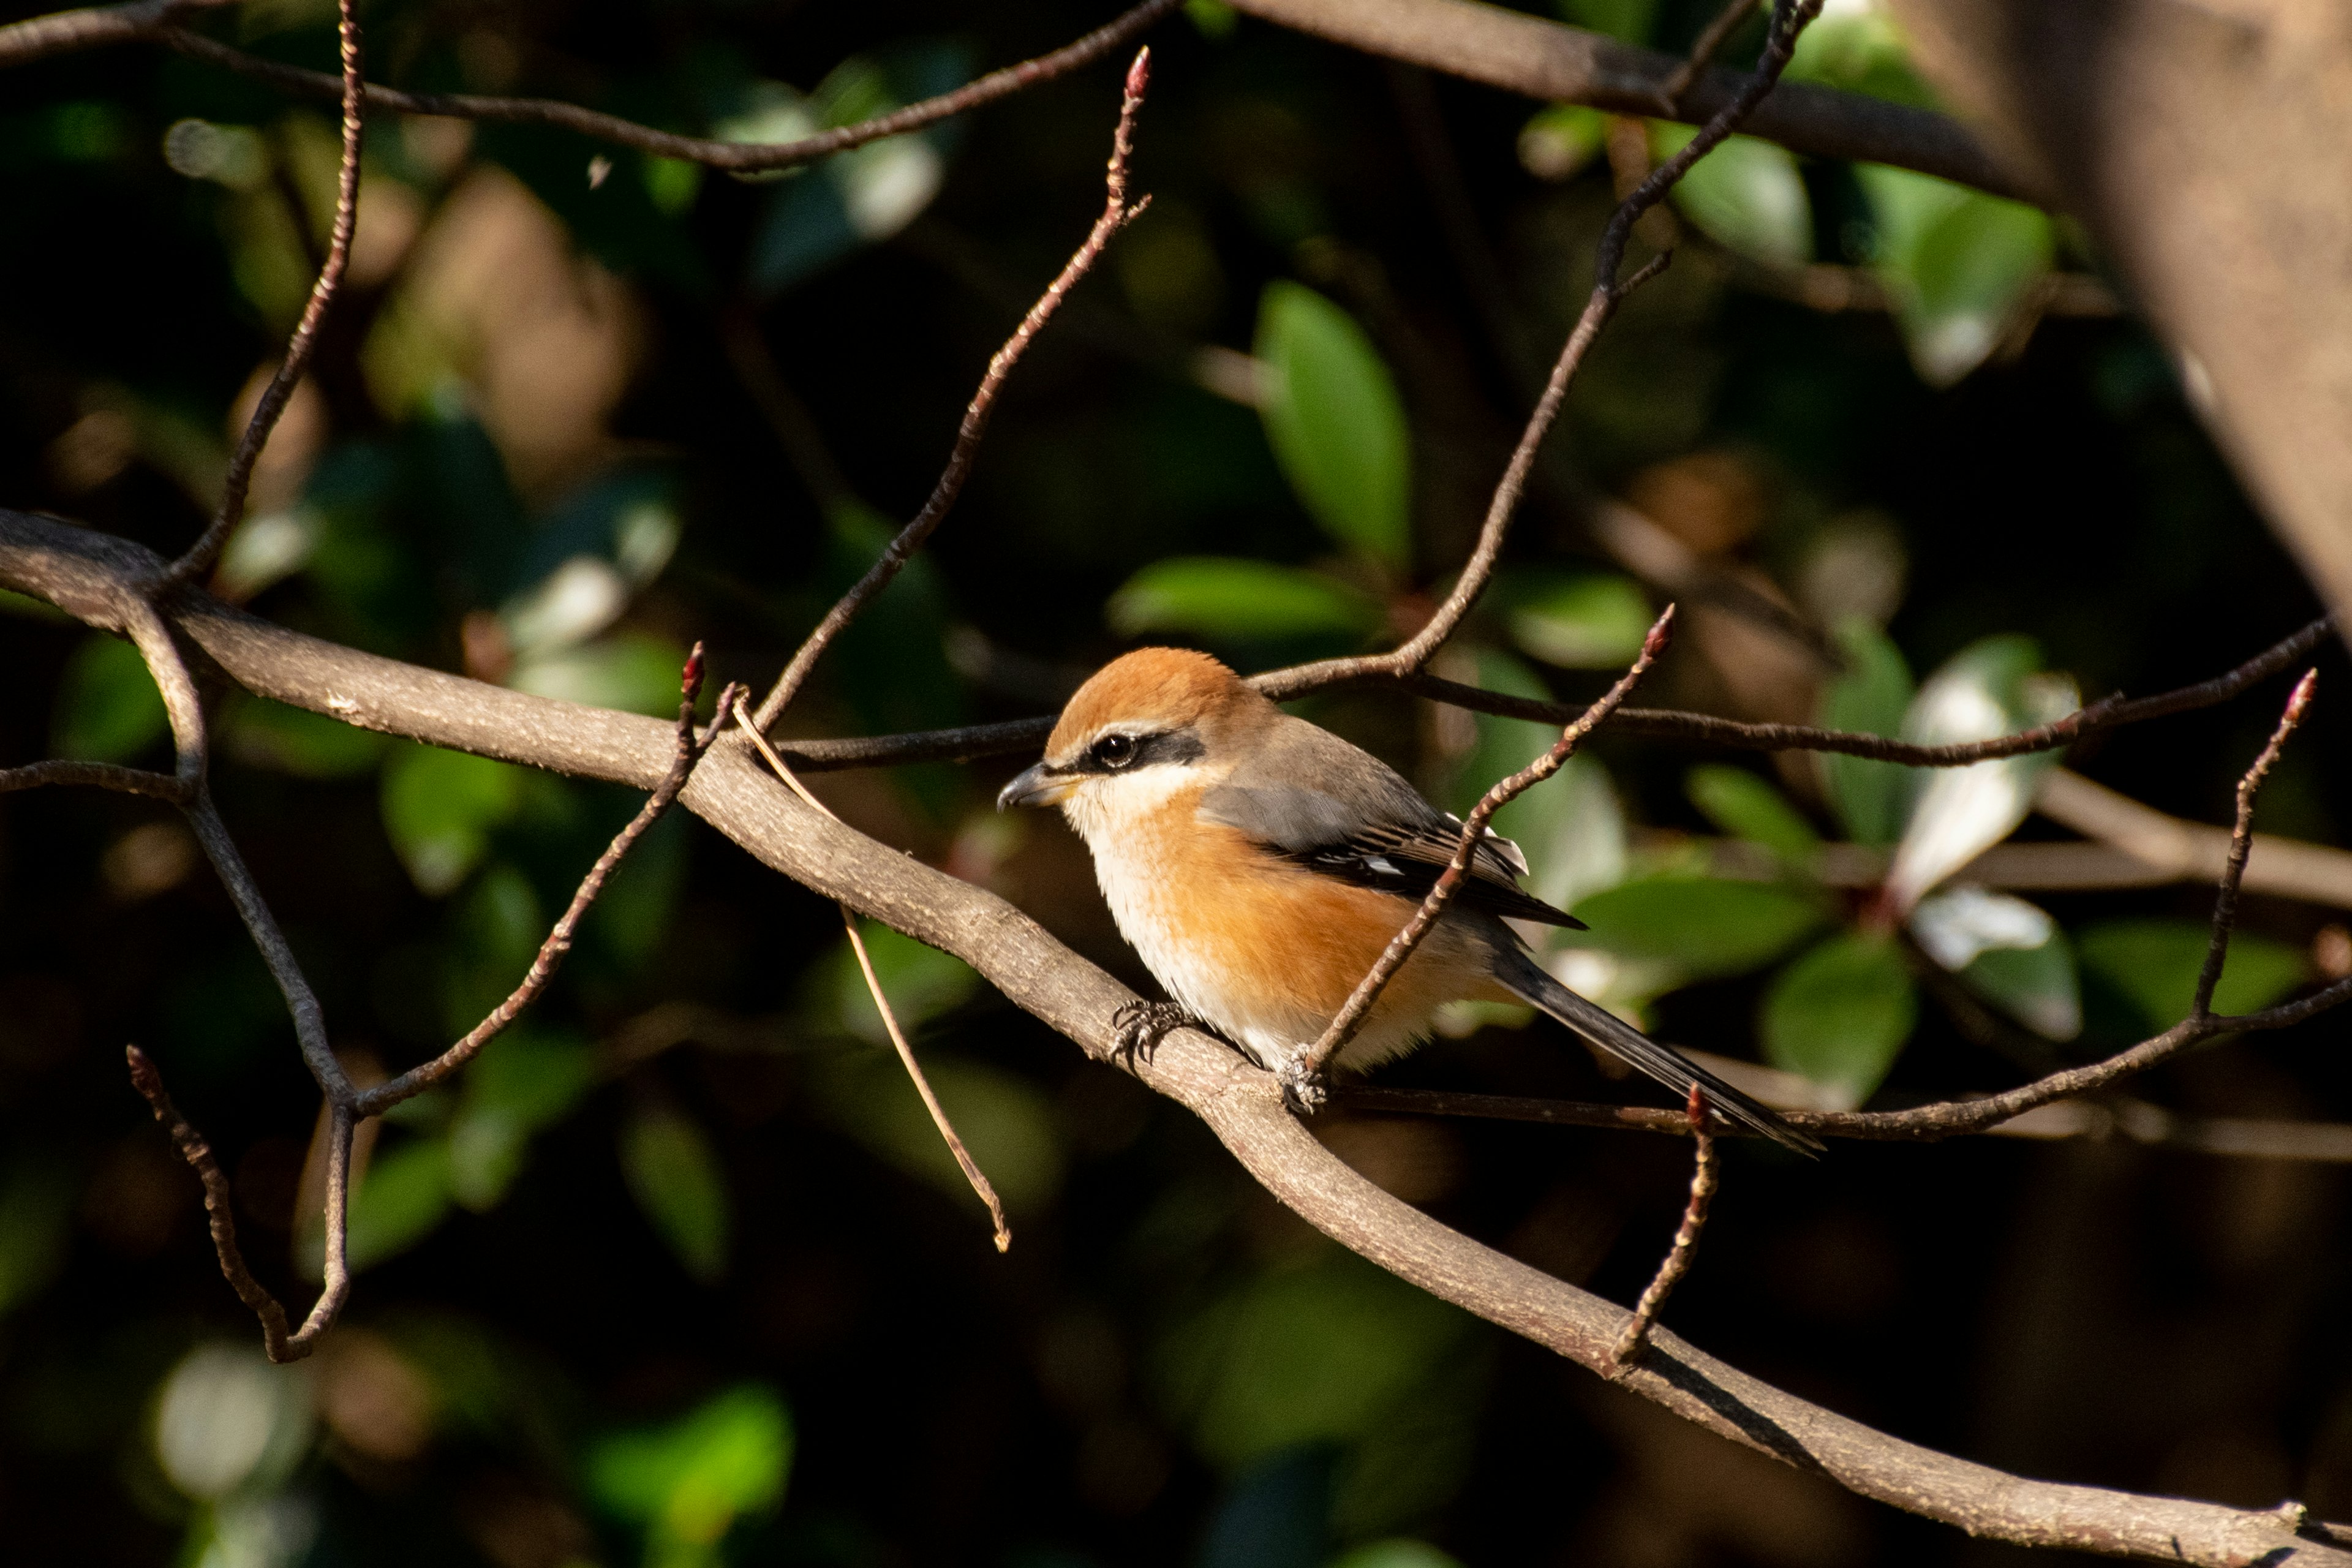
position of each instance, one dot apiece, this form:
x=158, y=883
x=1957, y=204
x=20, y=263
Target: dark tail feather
x=1665, y=1064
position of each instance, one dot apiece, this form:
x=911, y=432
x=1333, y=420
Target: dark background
x=1167, y=1367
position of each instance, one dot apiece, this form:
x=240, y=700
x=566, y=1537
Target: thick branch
x=1543, y=59
x=57, y=562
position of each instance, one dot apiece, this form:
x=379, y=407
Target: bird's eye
x=1115, y=751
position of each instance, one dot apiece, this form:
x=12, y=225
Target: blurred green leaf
x=1746, y=194
x=2034, y=985
x=1336, y=424
x=1839, y=1015
x=108, y=707
x=439, y=808
x=1627, y=21
x=1222, y=598
x=1745, y=805
x=36, y=1197
x=921, y=982
x=674, y=1176
x=1989, y=688
x=634, y=673
x=1570, y=826
x=1400, y=1553
x=1860, y=50
x=1703, y=926
x=1326, y=1352
x=1871, y=696
x=1005, y=1121
x=1585, y=621
x=635, y=914
x=1562, y=139
x=521, y=1082
x=294, y=741
x=1956, y=262
x=403, y=1199
x=688, y=1483
x=2154, y=965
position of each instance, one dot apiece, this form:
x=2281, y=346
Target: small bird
x=1260, y=864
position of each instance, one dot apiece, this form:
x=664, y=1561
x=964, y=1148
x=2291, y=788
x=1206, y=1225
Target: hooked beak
x=1037, y=786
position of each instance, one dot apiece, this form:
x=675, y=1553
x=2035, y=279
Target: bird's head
x=1144, y=725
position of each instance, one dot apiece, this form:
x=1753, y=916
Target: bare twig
x=220, y=1212
x=1727, y=21
x=739, y=157
x=975, y=741
x=1116, y=214
x=1705, y=1175
x=2242, y=843
x=64, y=32
x=551, y=953
x=201, y=555
x=2139, y=845
x=1300, y=1078
x=80, y=569
x=93, y=775
x=972, y=1174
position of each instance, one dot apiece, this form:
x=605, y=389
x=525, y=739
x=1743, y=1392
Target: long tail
x=1668, y=1065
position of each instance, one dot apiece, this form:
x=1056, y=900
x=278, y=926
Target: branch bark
x=70, y=566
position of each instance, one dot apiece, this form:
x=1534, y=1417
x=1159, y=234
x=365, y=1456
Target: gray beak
x=1037, y=786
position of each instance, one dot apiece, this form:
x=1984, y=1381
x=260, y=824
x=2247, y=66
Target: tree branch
x=1542, y=59
x=69, y=566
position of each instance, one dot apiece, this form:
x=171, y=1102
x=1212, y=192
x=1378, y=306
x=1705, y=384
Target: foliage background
x=678, y=1275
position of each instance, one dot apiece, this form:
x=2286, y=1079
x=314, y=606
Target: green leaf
x=1588, y=621
x=1559, y=141
x=1956, y=261
x=1400, y=1553
x=2154, y=965
x=439, y=808
x=1839, y=1015
x=108, y=707
x=36, y=1201
x=1745, y=805
x=633, y=673
x=2034, y=985
x=688, y=1483
x=1221, y=598
x=1005, y=1121
x=674, y=1176
x=1989, y=688
x=305, y=744
x=521, y=1082
x=1336, y=424
x=1703, y=926
x=1870, y=798
x=1861, y=51
x=402, y=1200
x=1746, y=194
x=1627, y=21
x=921, y=982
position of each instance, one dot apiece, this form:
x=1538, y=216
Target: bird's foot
x=1140, y=1027
x=1305, y=1089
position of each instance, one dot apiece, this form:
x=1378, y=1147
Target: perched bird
x=1260, y=864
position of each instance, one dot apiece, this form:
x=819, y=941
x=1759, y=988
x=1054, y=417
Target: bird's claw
x=1305, y=1089
x=1140, y=1027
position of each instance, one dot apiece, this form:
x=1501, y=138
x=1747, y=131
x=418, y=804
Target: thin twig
x=972, y=742
x=1299, y=1078
x=1788, y=18
x=739, y=157
x=948, y=1134
x=553, y=951
x=1710, y=43
x=201, y=555
x=1704, y=1177
x=280, y=1344
x=64, y=32
x=2242, y=844
x=92, y=775
x=1116, y=214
